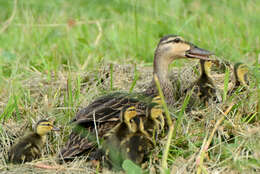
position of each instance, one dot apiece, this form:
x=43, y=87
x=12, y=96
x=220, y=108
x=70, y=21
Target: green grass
x=49, y=45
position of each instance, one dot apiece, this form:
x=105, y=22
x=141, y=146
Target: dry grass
x=234, y=146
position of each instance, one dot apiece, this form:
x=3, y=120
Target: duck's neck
x=161, y=70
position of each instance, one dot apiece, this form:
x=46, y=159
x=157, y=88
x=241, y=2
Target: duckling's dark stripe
x=42, y=122
x=45, y=124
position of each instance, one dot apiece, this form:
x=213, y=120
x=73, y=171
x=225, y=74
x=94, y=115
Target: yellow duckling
x=128, y=140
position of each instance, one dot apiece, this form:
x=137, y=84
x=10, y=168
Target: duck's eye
x=177, y=40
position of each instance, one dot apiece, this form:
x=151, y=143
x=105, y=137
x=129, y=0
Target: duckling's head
x=156, y=111
x=173, y=47
x=157, y=100
x=45, y=126
x=156, y=114
x=128, y=116
x=241, y=71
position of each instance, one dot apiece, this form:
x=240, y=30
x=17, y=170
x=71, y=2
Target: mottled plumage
x=30, y=147
x=26, y=150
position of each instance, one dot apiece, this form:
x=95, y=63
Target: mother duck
x=100, y=116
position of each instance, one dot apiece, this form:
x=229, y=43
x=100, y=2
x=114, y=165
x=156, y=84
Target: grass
x=52, y=55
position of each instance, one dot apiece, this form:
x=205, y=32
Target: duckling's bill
x=48, y=124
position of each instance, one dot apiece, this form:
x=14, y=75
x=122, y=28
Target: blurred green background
x=49, y=34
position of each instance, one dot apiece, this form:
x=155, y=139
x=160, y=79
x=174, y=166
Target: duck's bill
x=55, y=129
x=198, y=53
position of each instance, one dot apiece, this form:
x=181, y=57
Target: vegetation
x=53, y=52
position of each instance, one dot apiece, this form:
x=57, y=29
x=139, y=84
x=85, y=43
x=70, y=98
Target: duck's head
x=129, y=116
x=173, y=47
x=241, y=71
x=45, y=126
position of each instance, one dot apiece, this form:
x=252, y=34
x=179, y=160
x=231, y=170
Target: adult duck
x=100, y=116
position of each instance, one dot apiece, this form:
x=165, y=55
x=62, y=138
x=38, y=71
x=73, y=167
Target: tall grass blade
x=226, y=79
x=257, y=75
x=169, y=122
x=111, y=76
x=136, y=77
x=181, y=113
x=17, y=112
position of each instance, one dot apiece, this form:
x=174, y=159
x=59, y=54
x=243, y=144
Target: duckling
x=128, y=140
x=128, y=123
x=146, y=121
x=105, y=110
x=134, y=147
x=30, y=147
x=140, y=141
x=240, y=72
x=206, y=88
x=156, y=113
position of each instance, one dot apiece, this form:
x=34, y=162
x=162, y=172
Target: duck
x=103, y=113
x=30, y=147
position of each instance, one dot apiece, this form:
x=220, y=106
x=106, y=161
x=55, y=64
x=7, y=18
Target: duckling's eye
x=177, y=40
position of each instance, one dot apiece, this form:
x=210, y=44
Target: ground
x=54, y=53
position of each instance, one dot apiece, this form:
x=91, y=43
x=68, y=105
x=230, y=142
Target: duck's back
x=107, y=108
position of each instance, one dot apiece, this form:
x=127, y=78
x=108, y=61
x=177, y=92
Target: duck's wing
x=108, y=107
x=83, y=140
